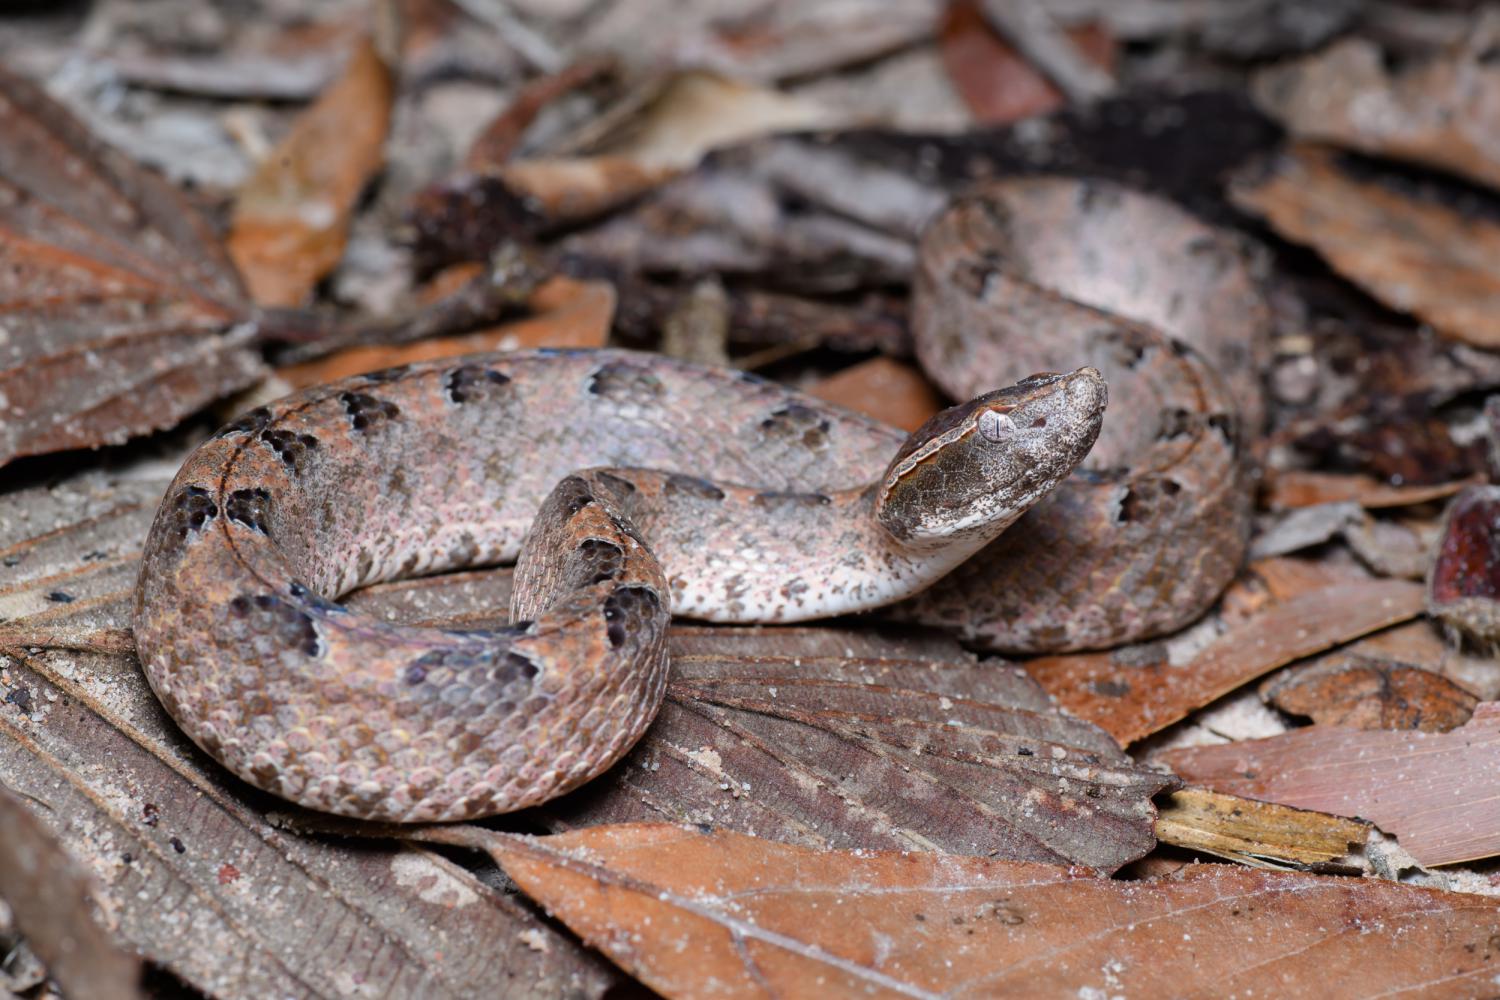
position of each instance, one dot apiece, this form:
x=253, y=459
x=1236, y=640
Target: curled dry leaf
x=1438, y=793
x=117, y=304
x=1260, y=834
x=1463, y=588
x=667, y=130
x=291, y=218
x=723, y=915
x=194, y=877
x=1135, y=692
x=1443, y=112
x=835, y=738
x=49, y=897
x=1363, y=692
x=1412, y=252
x=1296, y=488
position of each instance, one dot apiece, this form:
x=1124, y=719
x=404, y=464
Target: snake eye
x=995, y=425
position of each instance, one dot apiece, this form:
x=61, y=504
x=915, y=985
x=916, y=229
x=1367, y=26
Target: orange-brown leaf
x=291, y=219
x=724, y=915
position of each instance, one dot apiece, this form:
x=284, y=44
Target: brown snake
x=449, y=464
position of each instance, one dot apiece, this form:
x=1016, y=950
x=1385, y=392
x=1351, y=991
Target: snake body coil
x=642, y=487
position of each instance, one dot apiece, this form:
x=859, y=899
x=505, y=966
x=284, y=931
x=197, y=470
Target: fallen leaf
x=666, y=130
x=1287, y=490
x=1259, y=834
x=1442, y=111
x=565, y=313
x=996, y=83
x=49, y=897
x=118, y=307
x=725, y=915
x=834, y=738
x=291, y=219
x=1409, y=250
x=1131, y=697
x=1463, y=588
x=884, y=389
x=1362, y=692
x=155, y=822
x=1436, y=792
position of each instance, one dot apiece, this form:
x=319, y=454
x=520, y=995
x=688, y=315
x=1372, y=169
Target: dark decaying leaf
x=1463, y=588
x=49, y=897
x=1438, y=793
x=1364, y=692
x=830, y=738
x=724, y=915
x=1403, y=243
x=195, y=877
x=117, y=304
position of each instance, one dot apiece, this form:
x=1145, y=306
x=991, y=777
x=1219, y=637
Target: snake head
x=976, y=467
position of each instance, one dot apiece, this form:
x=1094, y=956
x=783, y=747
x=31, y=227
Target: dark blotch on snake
x=290, y=446
x=385, y=374
x=192, y=509
x=622, y=486
x=775, y=498
x=601, y=560
x=251, y=507
x=268, y=614
x=796, y=423
x=622, y=605
x=470, y=382
x=365, y=411
x=692, y=486
x=624, y=382
x=255, y=420
x=574, y=495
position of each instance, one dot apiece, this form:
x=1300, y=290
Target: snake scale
x=631, y=487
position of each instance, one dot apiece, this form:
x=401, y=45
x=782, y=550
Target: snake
x=630, y=487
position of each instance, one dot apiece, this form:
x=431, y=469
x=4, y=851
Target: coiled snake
x=633, y=487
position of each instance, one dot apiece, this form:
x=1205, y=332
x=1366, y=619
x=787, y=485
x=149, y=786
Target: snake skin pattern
x=632, y=487
x=444, y=465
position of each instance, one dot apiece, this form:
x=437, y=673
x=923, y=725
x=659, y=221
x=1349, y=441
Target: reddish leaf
x=724, y=915
x=1464, y=586
x=114, y=293
x=1131, y=698
x=996, y=83
x=884, y=389
x=1439, y=793
x=1361, y=692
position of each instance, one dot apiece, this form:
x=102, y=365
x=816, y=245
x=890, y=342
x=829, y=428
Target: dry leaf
x=291, y=218
x=1410, y=251
x=668, y=130
x=887, y=390
x=1132, y=694
x=1443, y=112
x=117, y=304
x=1436, y=792
x=996, y=83
x=187, y=865
x=724, y=915
x=566, y=313
x=49, y=899
x=1259, y=834
x=835, y=738
x=1288, y=490
x=1363, y=692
